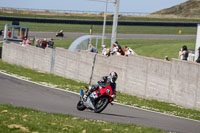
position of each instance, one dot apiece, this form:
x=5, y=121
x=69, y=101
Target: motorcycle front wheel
x=101, y=104
x=80, y=106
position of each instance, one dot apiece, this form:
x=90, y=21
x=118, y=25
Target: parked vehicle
x=97, y=100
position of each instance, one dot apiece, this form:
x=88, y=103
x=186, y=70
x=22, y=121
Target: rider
x=105, y=81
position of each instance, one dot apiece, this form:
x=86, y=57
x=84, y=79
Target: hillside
x=190, y=8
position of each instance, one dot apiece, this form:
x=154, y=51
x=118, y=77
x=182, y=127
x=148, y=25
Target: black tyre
x=80, y=106
x=101, y=104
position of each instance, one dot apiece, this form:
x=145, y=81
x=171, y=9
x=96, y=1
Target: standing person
x=129, y=51
x=198, y=59
x=184, y=53
x=44, y=43
x=9, y=33
x=51, y=43
x=92, y=49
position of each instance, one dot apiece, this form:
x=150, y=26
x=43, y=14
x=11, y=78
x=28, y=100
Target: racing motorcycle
x=59, y=34
x=97, y=100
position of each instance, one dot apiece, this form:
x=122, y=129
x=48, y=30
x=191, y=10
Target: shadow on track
x=118, y=115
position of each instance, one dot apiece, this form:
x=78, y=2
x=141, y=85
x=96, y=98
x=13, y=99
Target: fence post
x=53, y=55
x=93, y=68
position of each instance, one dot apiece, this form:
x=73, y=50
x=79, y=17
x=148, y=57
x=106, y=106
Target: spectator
x=44, y=43
x=119, y=46
x=114, y=49
x=25, y=42
x=104, y=50
x=92, y=49
x=120, y=52
x=166, y=58
x=37, y=43
x=51, y=43
x=183, y=53
x=28, y=42
x=108, y=52
x=9, y=33
x=198, y=59
x=129, y=51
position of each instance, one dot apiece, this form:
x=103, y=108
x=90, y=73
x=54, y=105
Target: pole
x=115, y=22
x=91, y=28
x=104, y=23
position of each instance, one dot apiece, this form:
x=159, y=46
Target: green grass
x=64, y=43
x=19, y=120
x=98, y=28
x=68, y=84
x=157, y=48
x=150, y=48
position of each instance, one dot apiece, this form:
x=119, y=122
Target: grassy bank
x=17, y=119
x=68, y=84
x=85, y=16
x=98, y=28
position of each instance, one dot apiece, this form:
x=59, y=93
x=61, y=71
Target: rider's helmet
x=113, y=76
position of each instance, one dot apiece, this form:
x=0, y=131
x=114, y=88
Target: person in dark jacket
x=184, y=53
x=51, y=43
x=105, y=81
x=44, y=43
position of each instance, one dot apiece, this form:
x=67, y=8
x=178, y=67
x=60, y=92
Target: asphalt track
x=27, y=94
x=42, y=35
x=119, y=36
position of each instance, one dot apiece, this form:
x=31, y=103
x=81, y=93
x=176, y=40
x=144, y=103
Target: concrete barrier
x=74, y=65
x=176, y=81
x=184, y=87
x=28, y=56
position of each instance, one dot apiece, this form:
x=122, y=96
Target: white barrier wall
x=176, y=81
x=28, y=56
x=185, y=81
x=73, y=65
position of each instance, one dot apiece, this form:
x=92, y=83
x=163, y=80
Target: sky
x=143, y=6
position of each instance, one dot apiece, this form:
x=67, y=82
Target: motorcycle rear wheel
x=101, y=104
x=80, y=106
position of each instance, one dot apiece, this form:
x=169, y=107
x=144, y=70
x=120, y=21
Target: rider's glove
x=113, y=96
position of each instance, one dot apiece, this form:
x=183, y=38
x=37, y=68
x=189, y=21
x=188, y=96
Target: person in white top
x=129, y=51
x=114, y=49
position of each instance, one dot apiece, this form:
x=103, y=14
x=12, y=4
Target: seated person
x=44, y=43
x=92, y=49
x=51, y=43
